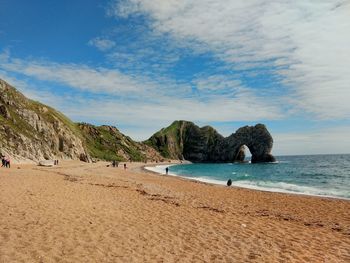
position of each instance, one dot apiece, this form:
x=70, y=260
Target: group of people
x=5, y=162
x=115, y=163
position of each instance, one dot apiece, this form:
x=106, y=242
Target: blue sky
x=140, y=64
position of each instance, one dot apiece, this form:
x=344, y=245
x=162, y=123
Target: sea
x=317, y=175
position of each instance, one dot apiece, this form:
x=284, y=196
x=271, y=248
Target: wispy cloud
x=129, y=99
x=102, y=44
x=76, y=76
x=305, y=42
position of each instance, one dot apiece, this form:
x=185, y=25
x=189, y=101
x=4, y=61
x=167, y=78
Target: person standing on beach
x=166, y=170
x=7, y=162
x=124, y=166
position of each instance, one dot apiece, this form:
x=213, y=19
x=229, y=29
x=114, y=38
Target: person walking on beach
x=124, y=166
x=166, y=170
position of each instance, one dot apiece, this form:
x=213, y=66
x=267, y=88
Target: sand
x=79, y=212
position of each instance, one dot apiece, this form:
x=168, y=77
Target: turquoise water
x=324, y=175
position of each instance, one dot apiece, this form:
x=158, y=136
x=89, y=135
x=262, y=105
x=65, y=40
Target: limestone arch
x=257, y=139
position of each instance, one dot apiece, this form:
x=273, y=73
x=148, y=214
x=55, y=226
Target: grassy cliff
x=30, y=130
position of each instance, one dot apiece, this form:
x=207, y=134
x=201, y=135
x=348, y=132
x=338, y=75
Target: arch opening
x=244, y=154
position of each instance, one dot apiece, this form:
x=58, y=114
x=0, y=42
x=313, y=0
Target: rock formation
x=185, y=140
x=30, y=130
x=108, y=143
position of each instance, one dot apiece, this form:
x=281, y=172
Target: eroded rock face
x=32, y=131
x=257, y=138
x=185, y=140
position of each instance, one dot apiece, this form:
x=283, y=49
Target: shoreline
x=223, y=184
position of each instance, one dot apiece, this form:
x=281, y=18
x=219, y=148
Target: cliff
x=185, y=140
x=33, y=131
x=108, y=143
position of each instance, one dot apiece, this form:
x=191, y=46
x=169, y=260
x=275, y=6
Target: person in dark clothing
x=166, y=170
x=229, y=182
x=8, y=163
x=124, y=165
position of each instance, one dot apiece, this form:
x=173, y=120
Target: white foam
x=282, y=187
x=279, y=187
x=160, y=169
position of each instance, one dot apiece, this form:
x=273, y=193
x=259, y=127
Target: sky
x=141, y=64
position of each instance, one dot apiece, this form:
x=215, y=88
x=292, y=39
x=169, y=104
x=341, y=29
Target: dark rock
x=185, y=140
x=84, y=158
x=4, y=112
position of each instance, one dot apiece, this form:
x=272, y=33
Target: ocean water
x=320, y=175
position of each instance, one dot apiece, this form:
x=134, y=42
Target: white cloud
x=326, y=141
x=77, y=76
x=137, y=99
x=306, y=42
x=102, y=43
x=218, y=83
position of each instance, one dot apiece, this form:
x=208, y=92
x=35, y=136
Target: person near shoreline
x=125, y=166
x=5, y=162
x=166, y=170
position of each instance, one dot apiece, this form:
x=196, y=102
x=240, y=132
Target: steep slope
x=108, y=143
x=185, y=140
x=33, y=131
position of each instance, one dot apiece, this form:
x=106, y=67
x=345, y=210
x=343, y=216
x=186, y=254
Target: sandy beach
x=78, y=212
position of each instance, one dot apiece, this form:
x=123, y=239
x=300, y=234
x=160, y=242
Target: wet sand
x=79, y=212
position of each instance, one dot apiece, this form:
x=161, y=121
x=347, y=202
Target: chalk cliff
x=33, y=131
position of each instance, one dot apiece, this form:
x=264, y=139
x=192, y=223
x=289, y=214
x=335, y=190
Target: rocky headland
x=185, y=140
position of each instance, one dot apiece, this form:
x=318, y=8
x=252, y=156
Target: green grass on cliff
x=172, y=132
x=105, y=144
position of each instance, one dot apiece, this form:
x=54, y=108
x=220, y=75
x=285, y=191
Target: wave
x=283, y=187
x=160, y=169
x=280, y=187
